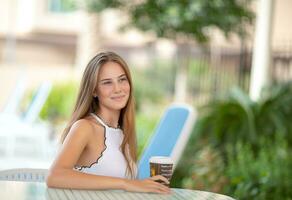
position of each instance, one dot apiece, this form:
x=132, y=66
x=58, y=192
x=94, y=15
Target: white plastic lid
x=161, y=160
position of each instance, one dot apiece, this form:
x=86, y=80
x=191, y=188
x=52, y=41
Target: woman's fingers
x=159, y=187
x=147, y=185
x=159, y=177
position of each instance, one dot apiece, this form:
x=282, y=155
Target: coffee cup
x=161, y=165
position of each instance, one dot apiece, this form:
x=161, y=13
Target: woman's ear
x=94, y=94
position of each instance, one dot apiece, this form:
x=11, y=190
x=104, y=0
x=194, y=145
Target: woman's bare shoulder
x=87, y=125
x=81, y=130
x=82, y=127
x=82, y=124
x=95, y=124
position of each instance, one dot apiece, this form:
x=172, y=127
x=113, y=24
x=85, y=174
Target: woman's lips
x=118, y=97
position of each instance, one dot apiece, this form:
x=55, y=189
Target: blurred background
x=199, y=52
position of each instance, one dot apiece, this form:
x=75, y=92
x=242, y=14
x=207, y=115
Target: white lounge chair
x=15, y=129
x=170, y=136
x=37, y=103
x=24, y=174
x=16, y=96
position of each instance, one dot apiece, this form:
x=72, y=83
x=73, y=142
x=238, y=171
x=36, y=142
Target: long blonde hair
x=86, y=104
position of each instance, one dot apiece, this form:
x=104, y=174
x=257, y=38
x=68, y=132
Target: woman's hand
x=148, y=185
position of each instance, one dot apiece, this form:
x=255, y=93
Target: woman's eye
x=106, y=83
x=123, y=79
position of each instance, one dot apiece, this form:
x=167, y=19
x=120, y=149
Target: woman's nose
x=117, y=87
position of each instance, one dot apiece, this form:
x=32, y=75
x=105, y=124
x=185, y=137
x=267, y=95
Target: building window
x=61, y=6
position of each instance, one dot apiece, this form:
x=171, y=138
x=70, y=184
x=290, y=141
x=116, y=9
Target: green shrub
x=206, y=170
x=145, y=124
x=237, y=118
x=274, y=112
x=253, y=141
x=60, y=102
x=228, y=120
x=154, y=84
x=145, y=92
x=265, y=175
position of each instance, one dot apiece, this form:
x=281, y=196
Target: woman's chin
x=119, y=106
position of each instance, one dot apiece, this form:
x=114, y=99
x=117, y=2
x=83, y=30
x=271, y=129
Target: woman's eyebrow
x=108, y=79
x=121, y=75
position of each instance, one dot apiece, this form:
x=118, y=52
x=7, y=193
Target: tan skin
x=84, y=142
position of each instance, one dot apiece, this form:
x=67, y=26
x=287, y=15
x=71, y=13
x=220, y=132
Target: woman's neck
x=111, y=118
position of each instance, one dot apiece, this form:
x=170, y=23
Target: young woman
x=99, y=142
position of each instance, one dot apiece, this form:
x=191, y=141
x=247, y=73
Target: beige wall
x=282, y=28
x=282, y=24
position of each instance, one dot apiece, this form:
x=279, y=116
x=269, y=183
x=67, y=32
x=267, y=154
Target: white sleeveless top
x=111, y=161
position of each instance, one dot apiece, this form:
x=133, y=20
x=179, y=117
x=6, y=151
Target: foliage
x=145, y=124
x=229, y=119
x=266, y=175
x=237, y=117
x=274, y=112
x=201, y=166
x=98, y=6
x=62, y=5
x=172, y=19
x=207, y=169
x=248, y=144
x=152, y=85
x=199, y=72
x=60, y=102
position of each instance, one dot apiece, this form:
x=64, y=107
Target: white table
x=39, y=191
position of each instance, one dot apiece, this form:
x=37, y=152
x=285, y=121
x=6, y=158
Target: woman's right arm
x=62, y=175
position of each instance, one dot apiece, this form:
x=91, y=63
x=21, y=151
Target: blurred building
x=47, y=35
x=42, y=31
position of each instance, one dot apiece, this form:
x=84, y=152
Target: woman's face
x=113, y=87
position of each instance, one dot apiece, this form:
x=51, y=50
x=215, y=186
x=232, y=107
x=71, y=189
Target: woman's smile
x=118, y=98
